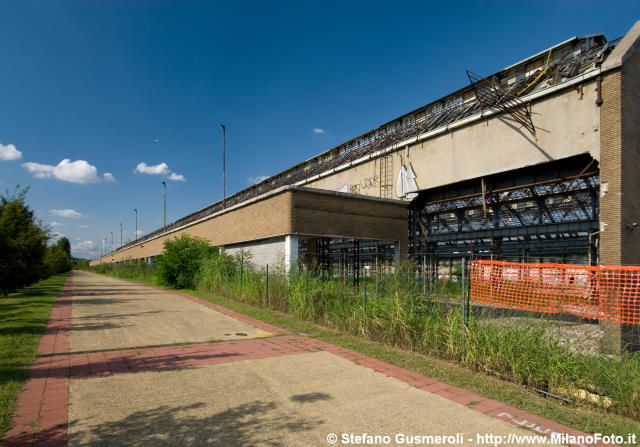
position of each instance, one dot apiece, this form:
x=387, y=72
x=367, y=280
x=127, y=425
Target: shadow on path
x=255, y=423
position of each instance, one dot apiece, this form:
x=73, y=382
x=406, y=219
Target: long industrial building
x=537, y=162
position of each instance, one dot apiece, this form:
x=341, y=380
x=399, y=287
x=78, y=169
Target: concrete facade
x=568, y=124
x=594, y=110
x=261, y=253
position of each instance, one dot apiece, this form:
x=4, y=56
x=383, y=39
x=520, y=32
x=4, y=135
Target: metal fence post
x=424, y=276
x=465, y=308
x=267, y=286
x=365, y=292
x=307, y=289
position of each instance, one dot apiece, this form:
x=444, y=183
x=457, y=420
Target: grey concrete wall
x=262, y=252
x=567, y=123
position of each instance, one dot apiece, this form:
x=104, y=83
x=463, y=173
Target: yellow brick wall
x=630, y=136
x=291, y=212
x=610, y=169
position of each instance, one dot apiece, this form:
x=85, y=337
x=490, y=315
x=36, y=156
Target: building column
x=290, y=252
x=620, y=181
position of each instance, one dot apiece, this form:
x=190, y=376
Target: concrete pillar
x=290, y=251
x=619, y=173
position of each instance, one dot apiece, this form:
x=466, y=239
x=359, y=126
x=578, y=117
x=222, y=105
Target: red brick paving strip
x=41, y=414
x=46, y=394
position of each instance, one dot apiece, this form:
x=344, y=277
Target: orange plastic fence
x=609, y=293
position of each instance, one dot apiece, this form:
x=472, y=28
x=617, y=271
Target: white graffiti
x=533, y=426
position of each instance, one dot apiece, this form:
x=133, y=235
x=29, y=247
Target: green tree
x=23, y=241
x=181, y=260
x=80, y=264
x=64, y=244
x=56, y=260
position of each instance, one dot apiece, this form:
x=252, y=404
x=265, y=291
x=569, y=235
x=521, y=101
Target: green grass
x=23, y=319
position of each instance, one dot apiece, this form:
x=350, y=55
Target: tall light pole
x=164, y=185
x=112, y=241
x=224, y=150
x=136, y=234
x=121, y=234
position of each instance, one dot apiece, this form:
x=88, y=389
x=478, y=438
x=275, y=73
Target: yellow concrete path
x=108, y=313
x=285, y=399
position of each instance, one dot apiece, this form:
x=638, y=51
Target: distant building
x=537, y=162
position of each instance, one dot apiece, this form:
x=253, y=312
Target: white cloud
x=56, y=224
x=318, y=131
x=83, y=246
x=9, y=152
x=83, y=227
x=108, y=177
x=177, y=177
x=71, y=214
x=78, y=171
x=159, y=169
x=257, y=179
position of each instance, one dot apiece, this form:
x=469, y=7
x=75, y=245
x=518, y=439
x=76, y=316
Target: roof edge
x=624, y=49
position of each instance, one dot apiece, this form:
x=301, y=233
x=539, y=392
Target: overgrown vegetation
x=397, y=312
x=137, y=270
x=181, y=261
x=23, y=320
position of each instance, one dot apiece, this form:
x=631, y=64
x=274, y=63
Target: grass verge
x=23, y=319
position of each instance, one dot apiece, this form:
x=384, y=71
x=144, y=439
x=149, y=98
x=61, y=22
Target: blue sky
x=92, y=89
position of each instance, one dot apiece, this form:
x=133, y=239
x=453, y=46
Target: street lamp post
x=136, y=233
x=164, y=185
x=121, y=234
x=224, y=149
x=112, y=241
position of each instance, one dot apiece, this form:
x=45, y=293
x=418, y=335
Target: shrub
x=182, y=260
x=56, y=260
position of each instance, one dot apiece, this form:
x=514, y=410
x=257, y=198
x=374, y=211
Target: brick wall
x=292, y=212
x=610, y=169
x=318, y=214
x=630, y=138
x=620, y=174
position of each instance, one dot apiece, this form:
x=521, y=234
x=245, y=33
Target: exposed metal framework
x=543, y=218
x=389, y=136
x=345, y=258
x=491, y=95
x=494, y=93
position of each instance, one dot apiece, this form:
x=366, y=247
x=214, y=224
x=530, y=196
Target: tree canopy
x=23, y=242
x=64, y=245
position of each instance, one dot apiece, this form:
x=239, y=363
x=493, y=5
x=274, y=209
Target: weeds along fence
x=441, y=318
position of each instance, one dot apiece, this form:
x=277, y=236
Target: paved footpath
x=129, y=365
